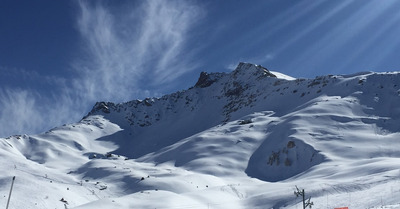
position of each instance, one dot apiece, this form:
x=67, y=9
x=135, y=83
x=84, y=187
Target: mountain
x=243, y=139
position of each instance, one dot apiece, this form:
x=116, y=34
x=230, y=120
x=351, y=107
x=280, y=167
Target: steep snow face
x=243, y=139
x=282, y=76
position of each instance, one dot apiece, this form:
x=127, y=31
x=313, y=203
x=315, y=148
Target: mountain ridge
x=222, y=142
x=238, y=94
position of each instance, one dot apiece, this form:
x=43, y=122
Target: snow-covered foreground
x=239, y=140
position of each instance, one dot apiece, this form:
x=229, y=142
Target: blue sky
x=57, y=58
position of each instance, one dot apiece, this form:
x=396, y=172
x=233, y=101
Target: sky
x=58, y=58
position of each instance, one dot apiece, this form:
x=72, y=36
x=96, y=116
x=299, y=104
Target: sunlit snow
x=240, y=140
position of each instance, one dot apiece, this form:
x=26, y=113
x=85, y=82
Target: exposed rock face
x=236, y=86
x=205, y=80
x=214, y=99
x=243, y=71
x=246, y=70
x=101, y=106
x=290, y=144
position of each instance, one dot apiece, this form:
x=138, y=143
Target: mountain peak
x=248, y=69
x=243, y=71
x=207, y=79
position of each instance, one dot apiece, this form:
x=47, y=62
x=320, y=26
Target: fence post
x=9, y=196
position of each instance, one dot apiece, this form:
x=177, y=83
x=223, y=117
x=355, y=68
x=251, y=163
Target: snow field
x=245, y=141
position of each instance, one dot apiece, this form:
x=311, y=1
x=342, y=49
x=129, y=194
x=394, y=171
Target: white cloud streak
x=124, y=56
x=25, y=111
x=15, y=112
x=23, y=75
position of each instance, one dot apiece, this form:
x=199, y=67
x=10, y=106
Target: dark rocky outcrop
x=205, y=80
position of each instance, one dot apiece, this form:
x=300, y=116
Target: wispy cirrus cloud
x=27, y=112
x=131, y=54
x=20, y=75
x=26, y=109
x=140, y=49
x=16, y=111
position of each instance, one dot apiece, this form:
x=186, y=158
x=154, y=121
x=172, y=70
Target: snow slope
x=243, y=139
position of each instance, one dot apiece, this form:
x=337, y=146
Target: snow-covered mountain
x=243, y=139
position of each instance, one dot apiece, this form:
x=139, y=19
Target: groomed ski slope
x=240, y=140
